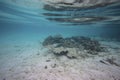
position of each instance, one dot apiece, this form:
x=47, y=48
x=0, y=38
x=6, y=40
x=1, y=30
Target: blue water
x=24, y=23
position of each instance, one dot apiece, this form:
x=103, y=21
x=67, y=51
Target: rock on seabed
x=72, y=47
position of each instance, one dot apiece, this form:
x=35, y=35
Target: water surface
x=24, y=21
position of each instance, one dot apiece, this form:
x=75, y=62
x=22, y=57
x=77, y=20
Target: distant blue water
x=28, y=24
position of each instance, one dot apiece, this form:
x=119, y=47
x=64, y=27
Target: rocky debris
x=72, y=47
x=73, y=53
x=53, y=65
x=4, y=79
x=45, y=67
x=50, y=40
x=48, y=60
x=102, y=61
x=112, y=61
x=109, y=61
x=60, y=51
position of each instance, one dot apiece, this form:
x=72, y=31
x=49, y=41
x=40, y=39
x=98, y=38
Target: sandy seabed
x=33, y=62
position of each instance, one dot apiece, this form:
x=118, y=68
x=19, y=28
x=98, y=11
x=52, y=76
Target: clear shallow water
x=23, y=22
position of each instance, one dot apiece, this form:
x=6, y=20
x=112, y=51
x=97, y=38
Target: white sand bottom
x=31, y=62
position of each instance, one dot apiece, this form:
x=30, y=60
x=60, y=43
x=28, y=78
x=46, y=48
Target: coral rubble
x=72, y=47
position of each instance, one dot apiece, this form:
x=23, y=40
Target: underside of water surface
x=87, y=18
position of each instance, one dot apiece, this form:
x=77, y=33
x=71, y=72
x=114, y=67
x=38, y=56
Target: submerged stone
x=52, y=40
x=72, y=47
x=59, y=51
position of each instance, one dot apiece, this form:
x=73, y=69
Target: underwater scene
x=59, y=39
